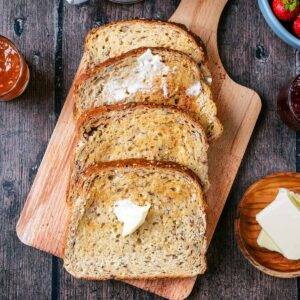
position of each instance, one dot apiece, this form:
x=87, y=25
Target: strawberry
x=286, y=10
x=296, y=27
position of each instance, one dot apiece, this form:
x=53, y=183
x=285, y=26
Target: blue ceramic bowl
x=276, y=26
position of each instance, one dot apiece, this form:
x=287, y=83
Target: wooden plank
x=25, y=127
x=254, y=57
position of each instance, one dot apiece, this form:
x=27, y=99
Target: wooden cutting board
x=43, y=221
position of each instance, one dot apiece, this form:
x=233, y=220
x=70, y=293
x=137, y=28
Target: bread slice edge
x=144, y=164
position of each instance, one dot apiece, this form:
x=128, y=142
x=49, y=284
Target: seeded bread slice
x=151, y=132
x=156, y=75
x=113, y=39
x=171, y=243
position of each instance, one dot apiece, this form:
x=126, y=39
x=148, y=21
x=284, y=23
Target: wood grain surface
x=253, y=59
x=25, y=128
x=247, y=229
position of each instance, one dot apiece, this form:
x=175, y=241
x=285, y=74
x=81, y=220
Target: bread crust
x=146, y=277
x=94, y=112
x=139, y=162
x=132, y=53
x=145, y=164
x=86, y=117
x=179, y=26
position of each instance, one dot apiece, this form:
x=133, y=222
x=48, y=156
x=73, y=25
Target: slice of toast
x=171, y=243
x=152, y=75
x=113, y=39
x=151, y=132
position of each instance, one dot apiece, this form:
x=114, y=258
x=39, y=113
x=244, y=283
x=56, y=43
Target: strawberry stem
x=290, y=5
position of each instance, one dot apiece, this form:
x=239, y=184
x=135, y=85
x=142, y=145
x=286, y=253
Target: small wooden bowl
x=257, y=197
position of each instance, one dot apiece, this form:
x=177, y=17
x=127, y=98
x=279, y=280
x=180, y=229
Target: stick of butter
x=132, y=215
x=281, y=225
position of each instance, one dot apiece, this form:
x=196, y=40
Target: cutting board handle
x=201, y=13
x=202, y=17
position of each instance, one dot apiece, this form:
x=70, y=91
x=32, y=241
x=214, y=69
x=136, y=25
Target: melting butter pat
x=281, y=222
x=195, y=89
x=132, y=215
x=142, y=77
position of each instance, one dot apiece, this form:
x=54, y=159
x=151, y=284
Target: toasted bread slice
x=171, y=243
x=113, y=39
x=152, y=75
x=151, y=132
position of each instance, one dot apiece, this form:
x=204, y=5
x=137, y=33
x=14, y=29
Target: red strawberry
x=296, y=26
x=286, y=10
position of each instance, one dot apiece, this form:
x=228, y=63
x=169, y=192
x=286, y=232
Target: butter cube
x=265, y=241
x=281, y=221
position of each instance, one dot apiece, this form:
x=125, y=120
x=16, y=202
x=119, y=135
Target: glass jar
x=288, y=103
x=14, y=72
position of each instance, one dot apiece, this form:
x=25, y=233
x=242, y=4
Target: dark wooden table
x=50, y=34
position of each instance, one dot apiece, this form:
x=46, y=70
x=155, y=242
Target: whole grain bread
x=170, y=244
x=136, y=130
x=151, y=75
x=113, y=39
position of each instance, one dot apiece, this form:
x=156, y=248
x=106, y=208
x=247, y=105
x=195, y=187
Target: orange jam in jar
x=14, y=73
